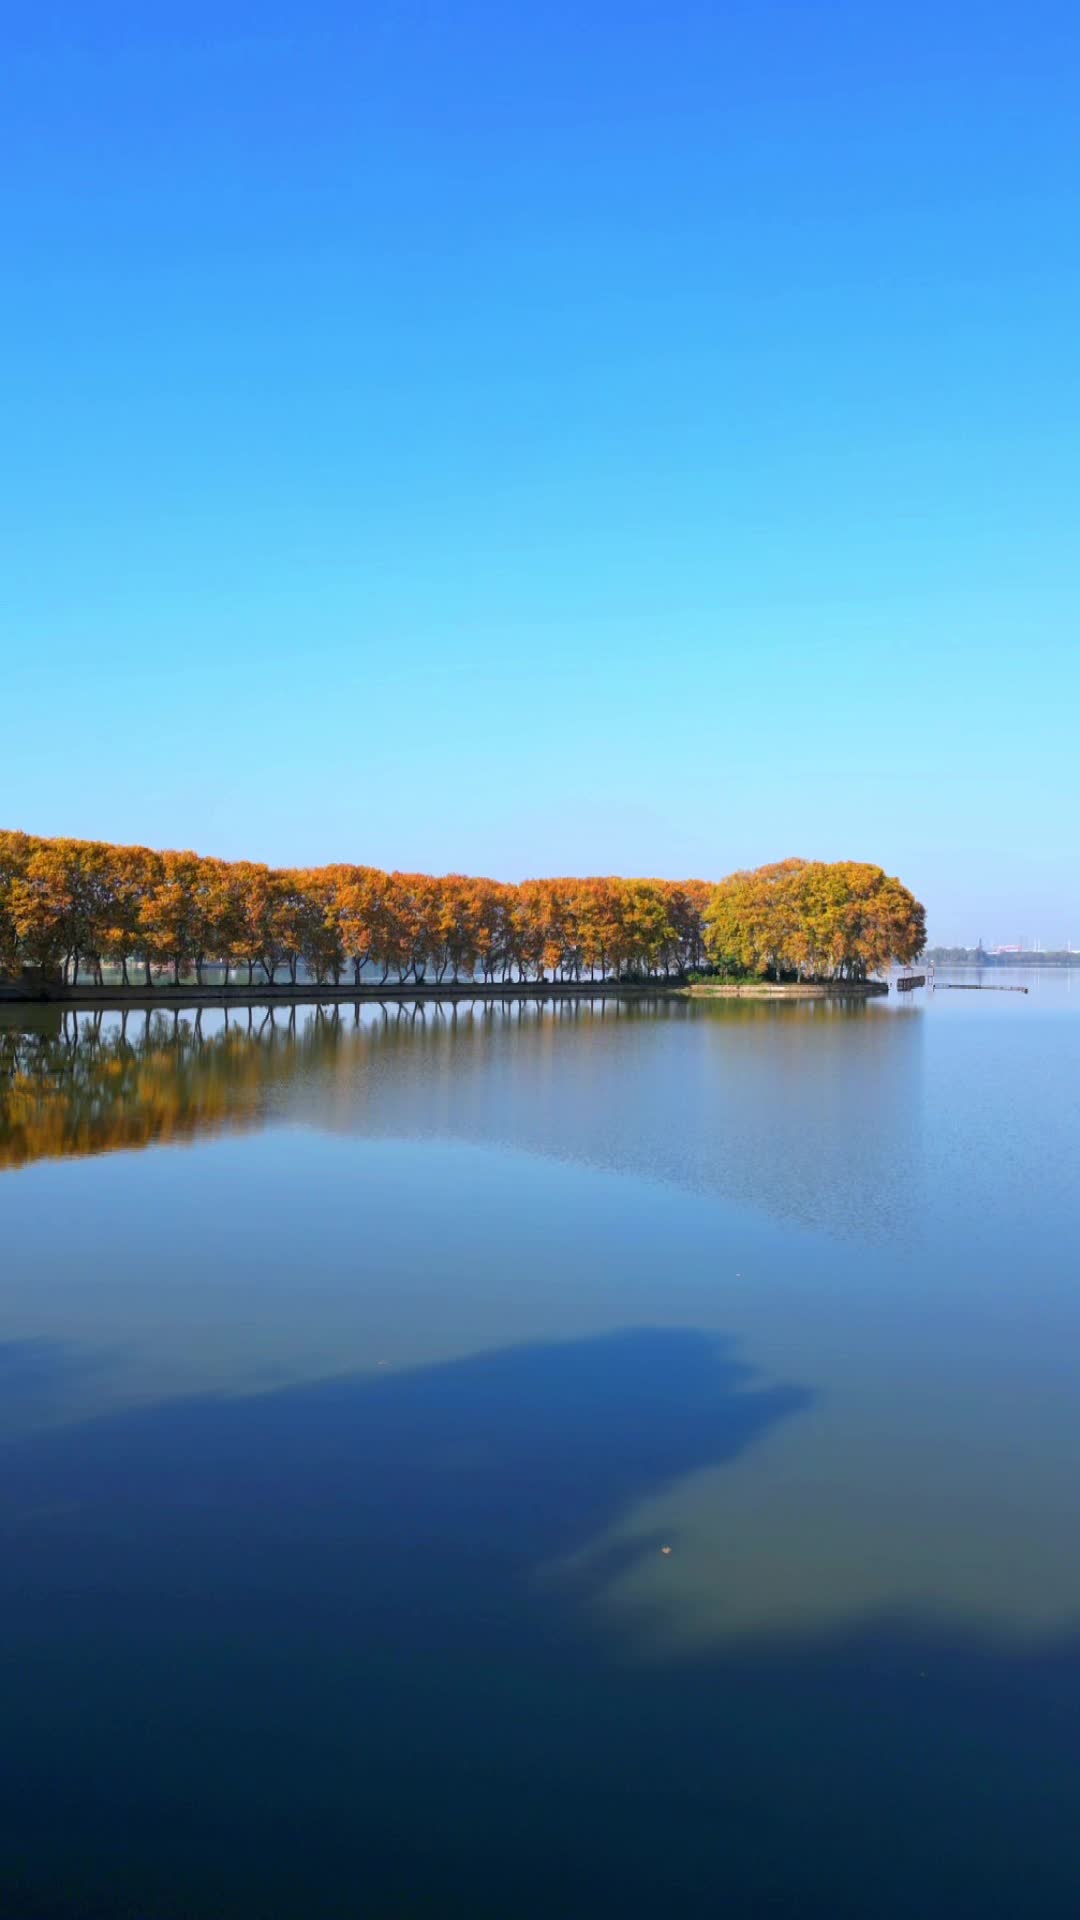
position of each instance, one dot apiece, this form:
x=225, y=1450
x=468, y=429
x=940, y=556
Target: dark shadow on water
x=350, y=1494
x=298, y=1654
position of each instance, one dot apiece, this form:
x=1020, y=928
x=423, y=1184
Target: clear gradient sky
x=564, y=438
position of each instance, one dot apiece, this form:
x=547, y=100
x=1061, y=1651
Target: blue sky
x=611, y=438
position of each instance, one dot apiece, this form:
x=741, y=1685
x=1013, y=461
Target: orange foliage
x=812, y=919
x=67, y=906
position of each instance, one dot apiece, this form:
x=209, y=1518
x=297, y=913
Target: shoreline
x=771, y=990
x=310, y=993
x=267, y=993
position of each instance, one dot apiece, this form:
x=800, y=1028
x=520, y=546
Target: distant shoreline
x=993, y=962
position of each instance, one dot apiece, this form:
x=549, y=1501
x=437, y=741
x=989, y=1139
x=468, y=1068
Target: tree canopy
x=68, y=907
x=839, y=920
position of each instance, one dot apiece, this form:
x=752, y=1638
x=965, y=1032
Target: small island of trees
x=70, y=909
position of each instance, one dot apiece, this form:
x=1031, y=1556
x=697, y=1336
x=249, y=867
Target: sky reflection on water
x=402, y=1371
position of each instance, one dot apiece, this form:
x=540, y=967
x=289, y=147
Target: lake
x=505, y=1461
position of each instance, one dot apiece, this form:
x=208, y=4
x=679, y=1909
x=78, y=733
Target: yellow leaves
x=843, y=919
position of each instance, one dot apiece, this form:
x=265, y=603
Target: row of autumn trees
x=68, y=907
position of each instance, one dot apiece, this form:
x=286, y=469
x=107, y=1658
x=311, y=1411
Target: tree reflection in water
x=94, y=1082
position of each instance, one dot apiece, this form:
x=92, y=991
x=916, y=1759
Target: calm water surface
x=542, y=1461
